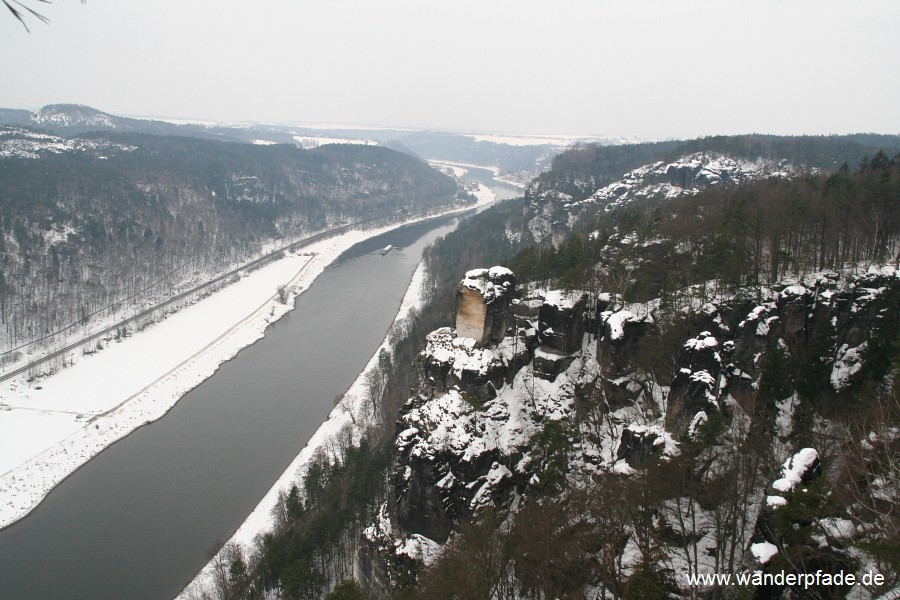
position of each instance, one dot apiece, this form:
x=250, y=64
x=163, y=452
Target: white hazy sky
x=647, y=68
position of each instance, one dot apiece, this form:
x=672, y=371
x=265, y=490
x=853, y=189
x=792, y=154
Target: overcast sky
x=673, y=68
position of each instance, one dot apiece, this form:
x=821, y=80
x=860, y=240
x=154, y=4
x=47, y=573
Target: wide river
x=139, y=520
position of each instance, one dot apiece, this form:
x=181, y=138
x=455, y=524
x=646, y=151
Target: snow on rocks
x=638, y=442
x=563, y=299
x=451, y=423
x=491, y=283
x=16, y=142
x=450, y=426
x=419, y=548
x=615, y=322
x=794, y=290
x=849, y=362
x=686, y=176
x=837, y=528
x=703, y=377
x=763, y=551
x=497, y=474
x=775, y=501
x=701, y=342
x=797, y=469
x=382, y=530
x=756, y=314
x=443, y=347
x=699, y=419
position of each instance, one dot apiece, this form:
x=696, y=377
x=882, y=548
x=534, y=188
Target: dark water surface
x=138, y=520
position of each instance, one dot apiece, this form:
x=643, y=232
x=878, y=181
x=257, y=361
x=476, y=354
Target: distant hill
x=76, y=116
x=88, y=221
x=76, y=119
x=523, y=156
x=580, y=172
x=14, y=116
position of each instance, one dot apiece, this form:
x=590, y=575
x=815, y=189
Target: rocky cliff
x=584, y=388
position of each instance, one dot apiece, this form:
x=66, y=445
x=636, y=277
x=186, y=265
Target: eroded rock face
x=824, y=319
x=617, y=338
x=471, y=313
x=471, y=435
x=421, y=507
x=462, y=437
x=696, y=385
x=637, y=445
x=561, y=320
x=482, y=301
x=549, y=363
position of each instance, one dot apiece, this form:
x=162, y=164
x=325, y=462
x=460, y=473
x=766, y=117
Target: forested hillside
x=695, y=374
x=77, y=119
x=92, y=225
x=580, y=172
x=753, y=234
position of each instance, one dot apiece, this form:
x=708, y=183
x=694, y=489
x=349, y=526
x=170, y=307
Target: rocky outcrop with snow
x=687, y=175
x=482, y=299
x=16, y=142
x=475, y=431
x=464, y=437
x=553, y=212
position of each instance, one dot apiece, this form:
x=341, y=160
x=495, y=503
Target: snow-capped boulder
x=619, y=333
x=561, y=320
x=482, y=298
x=802, y=467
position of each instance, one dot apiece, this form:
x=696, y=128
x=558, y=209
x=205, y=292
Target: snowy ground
x=461, y=168
x=351, y=412
x=458, y=170
x=316, y=141
x=528, y=140
x=51, y=427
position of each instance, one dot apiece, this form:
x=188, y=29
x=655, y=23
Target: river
x=140, y=519
x=503, y=191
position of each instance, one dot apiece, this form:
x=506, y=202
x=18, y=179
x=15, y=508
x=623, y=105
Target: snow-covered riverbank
x=459, y=170
x=50, y=428
x=352, y=412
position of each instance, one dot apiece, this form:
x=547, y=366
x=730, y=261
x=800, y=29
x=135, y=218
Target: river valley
x=140, y=519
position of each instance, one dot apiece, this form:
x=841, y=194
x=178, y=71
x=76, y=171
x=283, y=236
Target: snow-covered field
x=527, y=140
x=561, y=141
x=461, y=168
x=51, y=427
x=315, y=142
